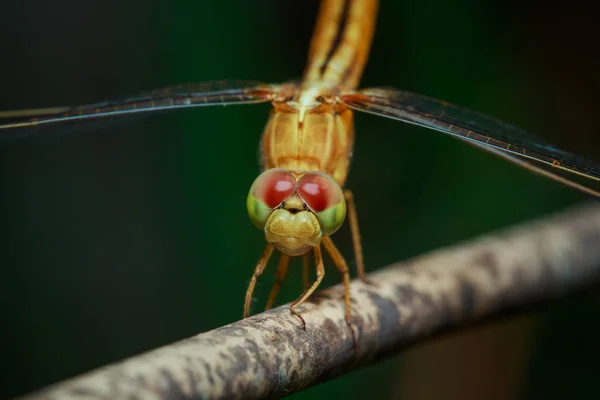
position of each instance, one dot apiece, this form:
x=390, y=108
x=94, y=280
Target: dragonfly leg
x=280, y=273
x=260, y=267
x=306, y=271
x=341, y=265
x=353, y=219
x=309, y=291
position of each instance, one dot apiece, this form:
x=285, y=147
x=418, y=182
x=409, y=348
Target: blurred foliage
x=135, y=234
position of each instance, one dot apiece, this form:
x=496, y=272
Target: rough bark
x=268, y=355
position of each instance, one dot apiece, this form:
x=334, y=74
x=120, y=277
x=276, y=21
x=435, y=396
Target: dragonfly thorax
x=308, y=130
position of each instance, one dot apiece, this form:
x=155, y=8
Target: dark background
x=134, y=234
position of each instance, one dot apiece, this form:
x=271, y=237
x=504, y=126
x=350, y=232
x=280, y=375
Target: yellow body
x=309, y=131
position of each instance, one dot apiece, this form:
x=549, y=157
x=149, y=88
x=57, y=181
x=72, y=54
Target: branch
x=268, y=355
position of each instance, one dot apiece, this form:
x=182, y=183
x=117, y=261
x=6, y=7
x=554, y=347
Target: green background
x=124, y=236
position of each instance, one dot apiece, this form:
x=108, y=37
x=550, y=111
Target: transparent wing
x=483, y=131
x=539, y=169
x=174, y=97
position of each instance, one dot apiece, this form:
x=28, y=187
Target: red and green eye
x=325, y=198
x=268, y=191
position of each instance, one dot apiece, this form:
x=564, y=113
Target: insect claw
x=354, y=331
x=302, y=321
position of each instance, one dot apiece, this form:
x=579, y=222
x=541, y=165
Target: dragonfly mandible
x=300, y=198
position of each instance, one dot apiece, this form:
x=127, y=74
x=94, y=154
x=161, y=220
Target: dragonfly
x=300, y=199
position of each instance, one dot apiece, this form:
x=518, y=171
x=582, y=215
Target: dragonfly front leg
x=307, y=293
x=260, y=267
x=353, y=219
x=280, y=273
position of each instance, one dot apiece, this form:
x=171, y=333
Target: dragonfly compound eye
x=325, y=198
x=268, y=191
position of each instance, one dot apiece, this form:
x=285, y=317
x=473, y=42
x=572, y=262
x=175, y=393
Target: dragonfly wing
x=168, y=98
x=505, y=140
x=543, y=170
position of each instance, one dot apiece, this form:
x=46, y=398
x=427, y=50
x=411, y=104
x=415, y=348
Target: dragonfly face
x=295, y=209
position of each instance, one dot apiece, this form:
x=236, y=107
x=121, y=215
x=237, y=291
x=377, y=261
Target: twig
x=269, y=356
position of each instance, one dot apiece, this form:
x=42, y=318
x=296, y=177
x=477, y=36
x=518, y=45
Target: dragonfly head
x=295, y=209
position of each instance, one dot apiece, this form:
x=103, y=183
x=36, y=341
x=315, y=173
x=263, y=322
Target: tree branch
x=268, y=355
